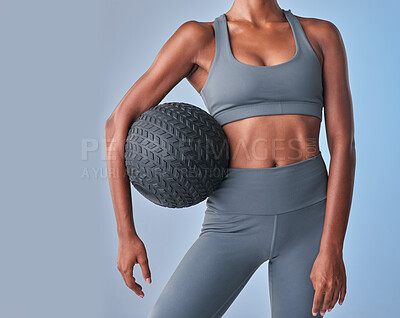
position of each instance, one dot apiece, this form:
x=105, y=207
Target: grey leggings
x=256, y=215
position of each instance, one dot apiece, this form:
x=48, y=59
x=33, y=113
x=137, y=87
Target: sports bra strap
x=301, y=37
x=221, y=39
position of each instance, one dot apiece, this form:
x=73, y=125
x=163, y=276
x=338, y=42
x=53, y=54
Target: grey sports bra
x=235, y=90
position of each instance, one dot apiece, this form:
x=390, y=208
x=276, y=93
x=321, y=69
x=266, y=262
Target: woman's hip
x=270, y=191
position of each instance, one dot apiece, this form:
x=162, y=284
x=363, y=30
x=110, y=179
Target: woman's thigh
x=298, y=236
x=216, y=267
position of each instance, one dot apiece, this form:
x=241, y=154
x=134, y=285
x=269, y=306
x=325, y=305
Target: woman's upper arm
x=338, y=104
x=174, y=61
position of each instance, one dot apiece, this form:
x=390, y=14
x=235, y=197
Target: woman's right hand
x=131, y=251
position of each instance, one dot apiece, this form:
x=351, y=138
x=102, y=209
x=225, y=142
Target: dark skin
x=259, y=35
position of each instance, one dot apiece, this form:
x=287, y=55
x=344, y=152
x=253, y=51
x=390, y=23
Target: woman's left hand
x=328, y=277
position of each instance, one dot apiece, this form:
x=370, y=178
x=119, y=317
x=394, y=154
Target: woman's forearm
x=339, y=196
x=118, y=179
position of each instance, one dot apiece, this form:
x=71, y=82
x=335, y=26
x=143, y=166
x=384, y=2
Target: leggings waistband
x=269, y=191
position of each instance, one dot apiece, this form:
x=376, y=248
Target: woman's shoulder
x=323, y=31
x=198, y=31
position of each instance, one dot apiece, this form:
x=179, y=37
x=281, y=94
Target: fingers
x=328, y=295
x=144, y=266
x=334, y=299
x=130, y=281
x=318, y=295
x=342, y=293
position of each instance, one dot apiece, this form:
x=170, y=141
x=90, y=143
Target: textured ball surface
x=176, y=154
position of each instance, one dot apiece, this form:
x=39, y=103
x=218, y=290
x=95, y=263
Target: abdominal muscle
x=272, y=140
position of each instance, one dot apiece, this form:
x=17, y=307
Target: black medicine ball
x=176, y=154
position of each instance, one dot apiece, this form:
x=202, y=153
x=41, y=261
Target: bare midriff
x=273, y=140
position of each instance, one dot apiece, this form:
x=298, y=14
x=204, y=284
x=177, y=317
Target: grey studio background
x=65, y=65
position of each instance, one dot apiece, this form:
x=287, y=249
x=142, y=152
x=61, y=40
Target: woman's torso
x=270, y=114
